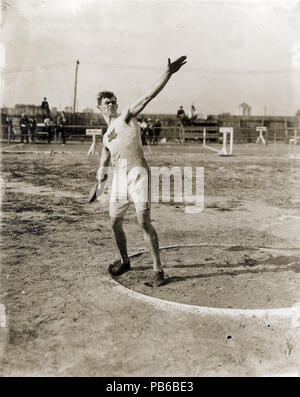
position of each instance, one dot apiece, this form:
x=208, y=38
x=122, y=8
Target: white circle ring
x=287, y=312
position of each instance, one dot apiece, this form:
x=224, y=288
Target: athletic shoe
x=118, y=268
x=157, y=281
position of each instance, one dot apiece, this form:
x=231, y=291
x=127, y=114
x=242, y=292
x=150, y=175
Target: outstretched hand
x=173, y=67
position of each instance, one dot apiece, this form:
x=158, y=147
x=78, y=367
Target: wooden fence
x=174, y=133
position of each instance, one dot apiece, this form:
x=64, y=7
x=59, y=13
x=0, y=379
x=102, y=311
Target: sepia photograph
x=150, y=191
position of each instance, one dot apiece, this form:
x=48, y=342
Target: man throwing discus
x=122, y=147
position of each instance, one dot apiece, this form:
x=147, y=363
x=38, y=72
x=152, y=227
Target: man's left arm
x=142, y=102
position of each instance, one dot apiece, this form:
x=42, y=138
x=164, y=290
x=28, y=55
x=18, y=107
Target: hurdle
x=93, y=132
x=222, y=152
x=261, y=138
x=292, y=143
x=43, y=132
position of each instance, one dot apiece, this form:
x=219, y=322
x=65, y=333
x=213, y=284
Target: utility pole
x=75, y=91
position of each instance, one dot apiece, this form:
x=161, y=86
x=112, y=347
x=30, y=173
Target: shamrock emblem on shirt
x=112, y=135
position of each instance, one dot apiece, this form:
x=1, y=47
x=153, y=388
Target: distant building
x=29, y=110
x=225, y=115
x=88, y=110
x=245, y=110
x=68, y=109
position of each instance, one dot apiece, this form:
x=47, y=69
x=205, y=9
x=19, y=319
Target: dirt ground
x=65, y=317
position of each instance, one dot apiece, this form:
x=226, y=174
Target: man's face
x=109, y=106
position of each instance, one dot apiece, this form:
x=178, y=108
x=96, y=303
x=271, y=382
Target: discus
x=96, y=190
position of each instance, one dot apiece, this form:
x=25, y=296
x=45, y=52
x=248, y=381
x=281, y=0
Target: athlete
x=122, y=147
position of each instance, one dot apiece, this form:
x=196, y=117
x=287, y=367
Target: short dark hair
x=104, y=94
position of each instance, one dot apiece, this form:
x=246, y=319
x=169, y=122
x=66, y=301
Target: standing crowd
x=28, y=126
x=150, y=131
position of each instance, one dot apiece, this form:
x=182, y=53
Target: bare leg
x=119, y=238
x=150, y=237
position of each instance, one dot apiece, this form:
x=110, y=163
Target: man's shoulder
x=127, y=118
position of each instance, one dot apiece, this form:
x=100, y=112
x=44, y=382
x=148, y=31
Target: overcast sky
x=238, y=51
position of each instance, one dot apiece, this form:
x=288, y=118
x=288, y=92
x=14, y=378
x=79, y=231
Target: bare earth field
x=66, y=317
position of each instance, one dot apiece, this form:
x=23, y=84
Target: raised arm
x=142, y=102
x=104, y=162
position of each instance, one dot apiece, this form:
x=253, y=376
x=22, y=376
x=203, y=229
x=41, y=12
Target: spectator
x=157, y=131
x=57, y=128
x=143, y=126
x=24, y=127
x=60, y=129
x=45, y=108
x=5, y=127
x=10, y=126
x=148, y=131
x=139, y=121
x=48, y=128
x=52, y=126
x=32, y=129
x=180, y=113
x=193, y=114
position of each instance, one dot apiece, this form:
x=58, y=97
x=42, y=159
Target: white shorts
x=127, y=188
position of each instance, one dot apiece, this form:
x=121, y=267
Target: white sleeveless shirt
x=124, y=142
